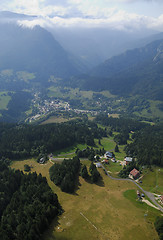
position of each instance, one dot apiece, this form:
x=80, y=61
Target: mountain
x=138, y=71
x=95, y=45
x=34, y=50
x=90, y=46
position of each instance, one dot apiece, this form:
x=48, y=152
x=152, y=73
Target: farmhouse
x=108, y=155
x=134, y=174
x=128, y=160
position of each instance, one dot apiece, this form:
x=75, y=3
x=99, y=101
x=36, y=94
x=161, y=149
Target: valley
x=81, y=121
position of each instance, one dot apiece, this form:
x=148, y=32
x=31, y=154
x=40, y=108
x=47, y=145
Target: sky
x=125, y=15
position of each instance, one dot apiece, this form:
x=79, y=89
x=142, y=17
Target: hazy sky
x=120, y=14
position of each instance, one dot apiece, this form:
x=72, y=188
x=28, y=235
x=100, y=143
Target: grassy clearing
x=113, y=214
x=132, y=196
x=107, y=94
x=25, y=76
x=87, y=94
x=114, y=115
x=153, y=180
x=69, y=152
x=153, y=111
x=108, y=144
x=114, y=168
x=55, y=119
x=4, y=100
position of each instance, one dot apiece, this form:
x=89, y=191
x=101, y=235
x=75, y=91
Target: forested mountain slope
x=137, y=71
x=34, y=50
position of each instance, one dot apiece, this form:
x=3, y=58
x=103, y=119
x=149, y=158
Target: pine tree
x=84, y=172
x=116, y=148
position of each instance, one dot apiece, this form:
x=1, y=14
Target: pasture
x=4, y=100
x=153, y=180
x=97, y=211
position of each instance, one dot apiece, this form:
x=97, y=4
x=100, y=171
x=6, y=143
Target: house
x=113, y=160
x=161, y=199
x=42, y=161
x=98, y=165
x=134, y=174
x=105, y=161
x=128, y=160
x=108, y=155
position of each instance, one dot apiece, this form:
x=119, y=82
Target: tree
x=116, y=148
x=27, y=168
x=92, y=167
x=91, y=157
x=159, y=226
x=95, y=175
x=84, y=172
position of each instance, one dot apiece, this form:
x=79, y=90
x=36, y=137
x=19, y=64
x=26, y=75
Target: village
x=43, y=107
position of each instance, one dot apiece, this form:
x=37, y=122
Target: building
x=105, y=161
x=128, y=160
x=42, y=161
x=98, y=165
x=161, y=199
x=108, y=155
x=134, y=174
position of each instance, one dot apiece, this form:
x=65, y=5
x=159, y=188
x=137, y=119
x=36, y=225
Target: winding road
x=148, y=194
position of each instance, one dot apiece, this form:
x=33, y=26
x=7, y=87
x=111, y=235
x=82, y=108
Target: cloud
x=134, y=1
x=119, y=20
x=80, y=13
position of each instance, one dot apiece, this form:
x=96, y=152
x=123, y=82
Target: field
x=4, y=100
x=102, y=211
x=56, y=119
x=153, y=180
x=153, y=111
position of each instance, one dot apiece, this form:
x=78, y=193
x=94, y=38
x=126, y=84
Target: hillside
x=34, y=50
x=137, y=71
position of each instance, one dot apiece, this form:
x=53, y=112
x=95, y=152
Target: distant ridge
x=138, y=71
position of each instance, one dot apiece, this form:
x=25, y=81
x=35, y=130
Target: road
x=148, y=194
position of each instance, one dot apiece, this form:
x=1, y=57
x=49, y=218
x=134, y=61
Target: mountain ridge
x=130, y=72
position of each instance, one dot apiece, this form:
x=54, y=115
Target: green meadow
x=152, y=180
x=4, y=100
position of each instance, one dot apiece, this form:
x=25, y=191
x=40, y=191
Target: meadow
x=4, y=100
x=153, y=180
x=98, y=211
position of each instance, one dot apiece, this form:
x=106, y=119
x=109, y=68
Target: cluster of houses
x=134, y=174
x=109, y=155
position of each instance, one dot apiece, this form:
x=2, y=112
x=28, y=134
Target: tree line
x=147, y=145
x=147, y=142
x=22, y=141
